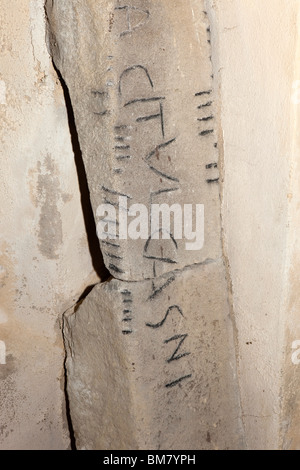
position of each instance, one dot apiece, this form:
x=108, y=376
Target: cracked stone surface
x=140, y=79
x=150, y=361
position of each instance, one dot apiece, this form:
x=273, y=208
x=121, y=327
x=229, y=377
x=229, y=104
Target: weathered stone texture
x=140, y=80
x=152, y=365
x=150, y=355
x=258, y=70
x=41, y=227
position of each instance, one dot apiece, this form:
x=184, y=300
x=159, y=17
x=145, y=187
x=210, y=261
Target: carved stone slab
x=140, y=79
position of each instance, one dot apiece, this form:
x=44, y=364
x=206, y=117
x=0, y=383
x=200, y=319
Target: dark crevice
x=88, y=289
x=84, y=294
x=90, y=227
x=89, y=221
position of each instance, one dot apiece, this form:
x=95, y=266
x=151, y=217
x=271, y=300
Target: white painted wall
x=255, y=43
x=44, y=258
x=42, y=272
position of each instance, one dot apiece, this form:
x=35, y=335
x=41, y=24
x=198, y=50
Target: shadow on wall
x=89, y=221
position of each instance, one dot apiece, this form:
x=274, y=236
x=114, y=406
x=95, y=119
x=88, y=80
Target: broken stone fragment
x=151, y=365
x=150, y=355
x=140, y=80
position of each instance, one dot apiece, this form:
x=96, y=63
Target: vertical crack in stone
x=149, y=351
x=67, y=401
